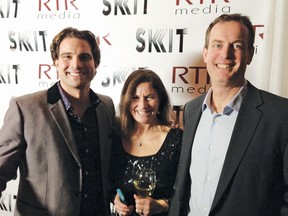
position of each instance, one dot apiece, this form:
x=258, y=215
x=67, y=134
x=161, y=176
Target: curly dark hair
x=70, y=32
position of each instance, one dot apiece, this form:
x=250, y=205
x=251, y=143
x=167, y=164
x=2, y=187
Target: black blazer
x=254, y=177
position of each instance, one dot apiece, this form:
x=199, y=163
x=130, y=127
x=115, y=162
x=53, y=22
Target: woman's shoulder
x=176, y=131
x=174, y=137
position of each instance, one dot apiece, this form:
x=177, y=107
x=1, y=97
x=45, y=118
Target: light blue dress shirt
x=209, y=151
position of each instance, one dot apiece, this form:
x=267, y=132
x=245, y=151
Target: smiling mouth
x=75, y=73
x=225, y=66
x=143, y=113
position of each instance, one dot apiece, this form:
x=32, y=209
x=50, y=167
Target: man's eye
x=66, y=57
x=85, y=57
x=238, y=46
x=217, y=45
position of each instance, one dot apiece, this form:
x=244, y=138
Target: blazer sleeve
x=284, y=210
x=12, y=143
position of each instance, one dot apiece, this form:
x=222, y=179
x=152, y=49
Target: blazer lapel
x=240, y=140
x=59, y=114
x=104, y=132
x=192, y=114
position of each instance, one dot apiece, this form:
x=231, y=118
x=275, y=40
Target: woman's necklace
x=140, y=141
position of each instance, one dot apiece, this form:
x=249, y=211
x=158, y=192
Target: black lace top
x=164, y=162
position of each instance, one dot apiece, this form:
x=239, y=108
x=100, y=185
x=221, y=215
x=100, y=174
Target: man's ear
x=251, y=54
x=56, y=62
x=204, y=54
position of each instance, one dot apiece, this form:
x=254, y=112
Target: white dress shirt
x=209, y=151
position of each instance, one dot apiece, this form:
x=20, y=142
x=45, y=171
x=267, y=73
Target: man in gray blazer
x=61, y=138
x=234, y=156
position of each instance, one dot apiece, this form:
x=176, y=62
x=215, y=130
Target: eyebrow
x=81, y=54
x=239, y=41
x=65, y=53
x=222, y=42
x=217, y=41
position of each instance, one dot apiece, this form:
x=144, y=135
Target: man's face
x=75, y=65
x=228, y=54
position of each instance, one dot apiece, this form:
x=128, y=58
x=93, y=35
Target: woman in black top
x=146, y=139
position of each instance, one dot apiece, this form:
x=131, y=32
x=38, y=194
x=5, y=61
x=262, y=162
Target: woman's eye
x=150, y=97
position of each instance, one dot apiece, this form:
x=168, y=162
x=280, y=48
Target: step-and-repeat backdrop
x=166, y=36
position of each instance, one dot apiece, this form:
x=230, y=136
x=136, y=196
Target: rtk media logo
x=58, y=9
x=196, y=7
x=191, y=80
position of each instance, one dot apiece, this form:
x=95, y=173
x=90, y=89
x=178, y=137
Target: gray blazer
x=37, y=138
x=254, y=177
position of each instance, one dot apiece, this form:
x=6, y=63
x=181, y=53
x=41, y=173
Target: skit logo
x=9, y=74
x=162, y=40
x=32, y=41
x=196, y=7
x=7, y=202
x=9, y=8
x=118, y=76
x=126, y=7
x=58, y=9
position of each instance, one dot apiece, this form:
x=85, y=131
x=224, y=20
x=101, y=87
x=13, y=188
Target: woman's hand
x=149, y=206
x=121, y=208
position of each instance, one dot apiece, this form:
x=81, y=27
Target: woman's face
x=144, y=104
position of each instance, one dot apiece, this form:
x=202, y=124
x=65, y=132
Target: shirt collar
x=68, y=106
x=234, y=103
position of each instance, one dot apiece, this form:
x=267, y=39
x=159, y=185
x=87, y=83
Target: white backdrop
x=166, y=36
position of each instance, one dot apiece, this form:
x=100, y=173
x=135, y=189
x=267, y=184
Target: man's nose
x=76, y=63
x=227, y=52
